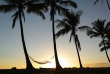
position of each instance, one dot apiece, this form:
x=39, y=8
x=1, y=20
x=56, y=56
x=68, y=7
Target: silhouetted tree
x=99, y=29
x=102, y=2
x=70, y=24
x=18, y=7
x=57, y=6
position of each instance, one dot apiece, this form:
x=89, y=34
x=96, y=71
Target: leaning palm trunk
x=78, y=54
x=28, y=63
x=106, y=50
x=54, y=43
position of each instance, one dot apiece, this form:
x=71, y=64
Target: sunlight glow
x=50, y=65
x=63, y=63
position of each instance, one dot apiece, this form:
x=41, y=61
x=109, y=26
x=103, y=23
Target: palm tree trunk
x=107, y=56
x=105, y=49
x=28, y=63
x=78, y=54
x=55, y=49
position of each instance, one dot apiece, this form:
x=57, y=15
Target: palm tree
x=18, y=6
x=70, y=24
x=102, y=1
x=55, y=6
x=99, y=29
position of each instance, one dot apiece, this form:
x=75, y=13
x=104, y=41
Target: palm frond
x=7, y=8
x=61, y=24
x=74, y=18
x=108, y=4
x=65, y=19
x=108, y=32
x=39, y=6
x=84, y=28
x=61, y=10
x=62, y=32
x=95, y=35
x=101, y=44
x=108, y=35
x=40, y=13
x=96, y=2
x=102, y=2
x=92, y=34
x=98, y=21
x=103, y=48
x=107, y=43
x=97, y=28
x=80, y=12
x=107, y=26
x=98, y=25
x=68, y=3
x=15, y=17
x=35, y=9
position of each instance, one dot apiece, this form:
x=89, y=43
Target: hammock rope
x=43, y=62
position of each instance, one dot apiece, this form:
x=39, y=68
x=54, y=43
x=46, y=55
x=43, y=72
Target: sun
x=62, y=61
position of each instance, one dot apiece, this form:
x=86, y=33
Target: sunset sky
x=38, y=38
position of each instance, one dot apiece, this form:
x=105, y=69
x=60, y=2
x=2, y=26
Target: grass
x=62, y=71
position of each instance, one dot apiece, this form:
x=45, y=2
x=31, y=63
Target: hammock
x=43, y=62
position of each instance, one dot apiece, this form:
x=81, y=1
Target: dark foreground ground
x=63, y=71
